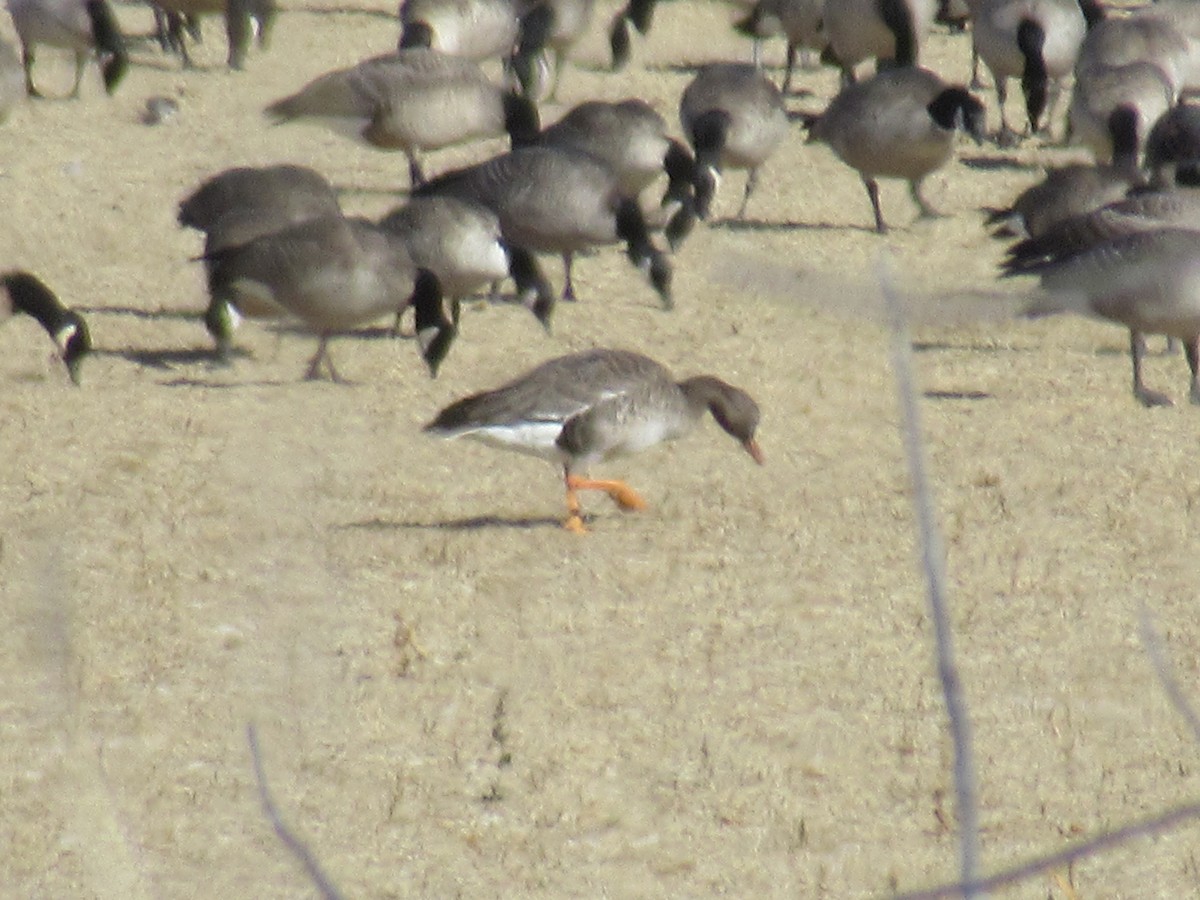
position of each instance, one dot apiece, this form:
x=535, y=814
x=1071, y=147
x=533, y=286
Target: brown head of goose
x=415, y=101
x=25, y=293
x=587, y=407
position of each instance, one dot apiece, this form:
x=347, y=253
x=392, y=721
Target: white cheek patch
x=63, y=336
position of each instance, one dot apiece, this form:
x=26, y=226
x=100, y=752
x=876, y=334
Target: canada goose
x=637, y=13
x=1143, y=210
x=1173, y=146
x=899, y=123
x=242, y=18
x=632, y=138
x=549, y=27
x=734, y=118
x=1149, y=282
x=1184, y=17
x=472, y=29
x=559, y=200
x=1114, y=42
x=12, y=83
x=330, y=273
x=460, y=242
x=587, y=407
x=415, y=101
x=77, y=25
x=1035, y=40
x=26, y=293
x=800, y=21
x=1112, y=110
x=888, y=30
x=1064, y=192
x=242, y=203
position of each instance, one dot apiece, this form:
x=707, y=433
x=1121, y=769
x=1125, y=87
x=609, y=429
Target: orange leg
x=621, y=493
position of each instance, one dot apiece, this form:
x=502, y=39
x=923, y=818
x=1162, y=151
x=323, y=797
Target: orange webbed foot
x=621, y=493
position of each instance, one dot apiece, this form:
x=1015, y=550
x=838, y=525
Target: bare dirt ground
x=731, y=693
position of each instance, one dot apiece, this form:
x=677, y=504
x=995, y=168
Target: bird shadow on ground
x=471, y=523
x=966, y=347
x=168, y=358
x=330, y=9
x=763, y=226
x=957, y=395
x=139, y=313
x=998, y=164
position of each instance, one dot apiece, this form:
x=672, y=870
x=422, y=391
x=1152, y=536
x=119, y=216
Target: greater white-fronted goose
x=28, y=294
x=799, y=21
x=460, y=241
x=1149, y=282
x=1113, y=109
x=1036, y=41
x=81, y=26
x=472, y=29
x=889, y=31
x=12, y=83
x=734, y=118
x=1064, y=192
x=900, y=123
x=559, y=200
x=243, y=18
x=633, y=139
x=332, y=274
x=584, y=408
x=415, y=101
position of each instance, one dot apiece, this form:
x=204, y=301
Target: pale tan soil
x=731, y=693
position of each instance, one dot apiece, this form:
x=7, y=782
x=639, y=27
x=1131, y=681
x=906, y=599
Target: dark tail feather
x=527, y=274
x=110, y=42
x=631, y=228
x=435, y=332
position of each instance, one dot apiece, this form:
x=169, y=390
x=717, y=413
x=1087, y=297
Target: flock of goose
x=1119, y=239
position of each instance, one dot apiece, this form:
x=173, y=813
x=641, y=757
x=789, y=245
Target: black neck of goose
x=1031, y=39
x=1123, y=131
x=898, y=18
x=1093, y=13
x=30, y=296
x=416, y=34
x=733, y=408
x=521, y=120
x=956, y=108
x=709, y=132
x=106, y=34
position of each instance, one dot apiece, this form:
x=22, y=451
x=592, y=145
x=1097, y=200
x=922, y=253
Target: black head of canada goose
x=243, y=19
x=26, y=293
x=81, y=26
x=900, y=123
x=734, y=118
x=632, y=139
x=549, y=27
x=890, y=31
x=639, y=14
x=1173, y=146
x=559, y=200
x=587, y=407
x=415, y=101
x=332, y=274
x=460, y=241
x=1064, y=192
x=472, y=29
x=1148, y=281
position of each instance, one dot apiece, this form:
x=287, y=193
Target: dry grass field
x=731, y=693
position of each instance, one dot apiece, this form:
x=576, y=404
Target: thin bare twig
x=290, y=840
x=933, y=564
x=1109, y=839
x=1157, y=652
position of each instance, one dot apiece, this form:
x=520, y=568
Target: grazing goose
x=25, y=293
x=460, y=242
x=1149, y=282
x=473, y=29
x=734, y=118
x=1035, y=40
x=1173, y=146
x=415, y=101
x=898, y=124
x=550, y=27
x=890, y=31
x=632, y=138
x=1064, y=192
x=332, y=274
x=558, y=200
x=12, y=84
x=81, y=26
x=242, y=203
x=1113, y=43
x=800, y=21
x=583, y=408
x=242, y=19
x=1112, y=110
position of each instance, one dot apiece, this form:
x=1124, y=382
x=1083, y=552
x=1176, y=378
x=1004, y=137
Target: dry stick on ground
x=293, y=843
x=933, y=563
x=1153, y=643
